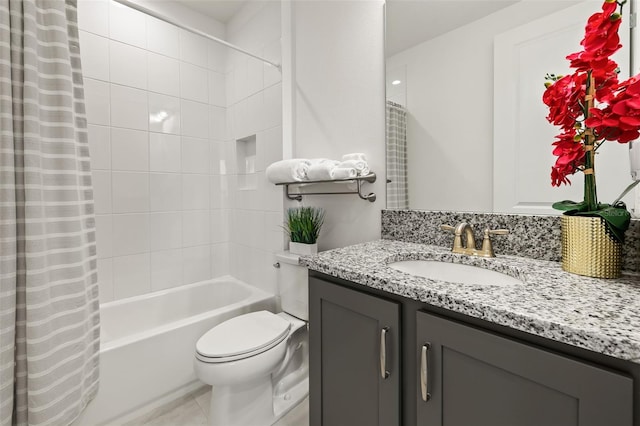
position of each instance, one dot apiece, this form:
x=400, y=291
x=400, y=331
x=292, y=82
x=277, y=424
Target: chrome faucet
x=469, y=246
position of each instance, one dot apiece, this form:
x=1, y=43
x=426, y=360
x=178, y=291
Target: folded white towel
x=344, y=173
x=293, y=170
x=362, y=167
x=317, y=161
x=322, y=170
x=354, y=156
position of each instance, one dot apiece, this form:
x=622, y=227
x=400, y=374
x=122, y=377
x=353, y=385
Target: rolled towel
x=344, y=173
x=317, y=161
x=293, y=170
x=354, y=156
x=362, y=167
x=322, y=170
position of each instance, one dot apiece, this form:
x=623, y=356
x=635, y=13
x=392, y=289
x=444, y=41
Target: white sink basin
x=454, y=272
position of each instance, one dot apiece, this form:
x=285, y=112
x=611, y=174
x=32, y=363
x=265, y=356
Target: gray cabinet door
x=348, y=351
x=480, y=378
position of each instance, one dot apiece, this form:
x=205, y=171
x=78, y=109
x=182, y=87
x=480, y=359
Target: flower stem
x=590, y=194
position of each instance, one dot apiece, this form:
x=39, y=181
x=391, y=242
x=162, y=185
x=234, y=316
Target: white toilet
x=258, y=362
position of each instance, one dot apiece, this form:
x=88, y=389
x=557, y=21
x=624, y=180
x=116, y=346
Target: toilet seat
x=242, y=337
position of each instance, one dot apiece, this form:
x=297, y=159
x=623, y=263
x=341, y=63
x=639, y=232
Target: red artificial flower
x=570, y=155
x=617, y=116
x=620, y=120
x=601, y=39
x=563, y=99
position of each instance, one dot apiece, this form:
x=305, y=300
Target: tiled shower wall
x=164, y=152
x=254, y=100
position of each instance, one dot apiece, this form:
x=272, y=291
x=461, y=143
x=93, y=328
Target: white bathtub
x=148, y=343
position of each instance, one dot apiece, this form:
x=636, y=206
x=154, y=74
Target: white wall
x=156, y=108
x=450, y=111
x=339, y=105
x=254, y=95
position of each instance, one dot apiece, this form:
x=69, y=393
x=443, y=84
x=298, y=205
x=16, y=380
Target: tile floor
x=193, y=410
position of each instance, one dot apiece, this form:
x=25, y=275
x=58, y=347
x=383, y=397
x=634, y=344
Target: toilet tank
x=293, y=285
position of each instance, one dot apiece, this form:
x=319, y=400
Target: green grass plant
x=304, y=223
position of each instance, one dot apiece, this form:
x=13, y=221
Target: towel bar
x=370, y=178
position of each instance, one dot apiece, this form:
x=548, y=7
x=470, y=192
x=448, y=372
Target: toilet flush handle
x=276, y=265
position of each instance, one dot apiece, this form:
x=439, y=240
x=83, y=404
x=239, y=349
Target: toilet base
x=246, y=404
x=284, y=403
x=254, y=404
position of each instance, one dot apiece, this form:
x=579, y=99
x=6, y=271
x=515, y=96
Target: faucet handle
x=487, y=247
x=496, y=231
x=448, y=228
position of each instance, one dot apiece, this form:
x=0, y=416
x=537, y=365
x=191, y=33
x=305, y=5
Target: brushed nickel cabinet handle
x=424, y=372
x=383, y=353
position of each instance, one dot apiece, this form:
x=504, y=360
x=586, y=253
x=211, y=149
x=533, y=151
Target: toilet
x=258, y=362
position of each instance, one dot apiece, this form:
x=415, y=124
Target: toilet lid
x=243, y=334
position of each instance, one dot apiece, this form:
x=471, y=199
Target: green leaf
x=570, y=206
x=616, y=218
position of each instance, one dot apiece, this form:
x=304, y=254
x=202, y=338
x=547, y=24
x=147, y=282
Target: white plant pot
x=303, y=249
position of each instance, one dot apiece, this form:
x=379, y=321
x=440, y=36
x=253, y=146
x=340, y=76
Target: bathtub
x=148, y=344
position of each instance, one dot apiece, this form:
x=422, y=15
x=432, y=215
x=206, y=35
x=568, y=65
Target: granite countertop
x=595, y=314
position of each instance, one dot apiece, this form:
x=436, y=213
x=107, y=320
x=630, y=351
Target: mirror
x=464, y=83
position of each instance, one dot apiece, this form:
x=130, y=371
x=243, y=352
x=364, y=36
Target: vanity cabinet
x=354, y=347
x=474, y=372
x=468, y=376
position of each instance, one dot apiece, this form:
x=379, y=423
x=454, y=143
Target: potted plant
x=592, y=107
x=303, y=227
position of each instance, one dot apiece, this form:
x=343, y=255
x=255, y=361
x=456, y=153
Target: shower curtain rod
x=150, y=12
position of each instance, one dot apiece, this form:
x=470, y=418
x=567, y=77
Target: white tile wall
x=127, y=25
x=105, y=278
x=128, y=65
x=195, y=119
x=166, y=269
x=95, y=64
x=194, y=49
x=130, y=192
x=165, y=192
x=129, y=149
x=100, y=146
x=129, y=107
x=196, y=229
x=217, y=89
x=164, y=114
x=163, y=153
x=166, y=230
x=130, y=234
x=164, y=74
x=93, y=16
x=252, y=207
x=196, y=262
x=97, y=101
x=163, y=38
x=131, y=275
x=193, y=82
x=102, y=191
x=104, y=234
x=195, y=192
x=195, y=155
x=220, y=259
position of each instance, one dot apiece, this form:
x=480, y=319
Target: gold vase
x=587, y=248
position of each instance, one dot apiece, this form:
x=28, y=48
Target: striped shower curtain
x=49, y=318
x=397, y=186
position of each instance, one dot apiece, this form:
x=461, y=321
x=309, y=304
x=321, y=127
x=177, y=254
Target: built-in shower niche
x=246, y=162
